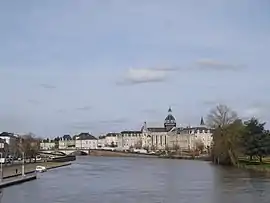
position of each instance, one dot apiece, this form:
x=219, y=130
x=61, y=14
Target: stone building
x=169, y=136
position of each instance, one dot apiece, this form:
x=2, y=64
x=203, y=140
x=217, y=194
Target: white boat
x=41, y=169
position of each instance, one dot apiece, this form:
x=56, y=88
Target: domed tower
x=169, y=121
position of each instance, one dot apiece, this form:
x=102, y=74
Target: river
x=141, y=180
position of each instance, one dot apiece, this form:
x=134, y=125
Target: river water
x=141, y=180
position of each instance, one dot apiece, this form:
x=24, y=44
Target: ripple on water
x=101, y=179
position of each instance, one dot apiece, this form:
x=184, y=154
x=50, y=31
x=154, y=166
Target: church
x=166, y=137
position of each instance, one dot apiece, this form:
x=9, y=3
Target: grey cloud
x=82, y=125
x=84, y=108
x=114, y=121
x=33, y=101
x=211, y=64
x=47, y=86
x=146, y=75
x=60, y=110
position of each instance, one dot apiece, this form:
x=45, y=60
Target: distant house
x=11, y=140
x=86, y=141
x=66, y=142
x=111, y=139
x=47, y=144
x=3, y=147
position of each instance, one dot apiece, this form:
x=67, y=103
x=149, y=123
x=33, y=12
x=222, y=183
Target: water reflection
x=1, y=194
x=101, y=179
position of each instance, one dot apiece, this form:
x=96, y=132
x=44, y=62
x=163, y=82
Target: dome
x=170, y=119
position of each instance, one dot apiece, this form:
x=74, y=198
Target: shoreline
x=10, y=172
x=141, y=155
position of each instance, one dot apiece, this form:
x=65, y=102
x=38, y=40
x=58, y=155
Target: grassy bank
x=30, y=168
x=255, y=165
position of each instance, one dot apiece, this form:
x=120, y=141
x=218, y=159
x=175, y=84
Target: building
x=12, y=142
x=86, y=141
x=168, y=137
x=101, y=141
x=3, y=148
x=47, y=145
x=130, y=139
x=66, y=142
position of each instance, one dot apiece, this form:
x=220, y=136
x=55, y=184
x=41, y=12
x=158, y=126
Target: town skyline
x=89, y=66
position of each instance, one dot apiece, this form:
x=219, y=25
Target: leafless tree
x=199, y=145
x=29, y=145
x=138, y=145
x=226, y=126
x=221, y=116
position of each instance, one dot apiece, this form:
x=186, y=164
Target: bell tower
x=169, y=121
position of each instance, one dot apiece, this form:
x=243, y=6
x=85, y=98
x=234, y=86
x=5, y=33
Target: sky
x=105, y=66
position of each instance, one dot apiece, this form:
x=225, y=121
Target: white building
x=47, y=145
x=86, y=141
x=130, y=139
x=66, y=142
x=11, y=140
x=167, y=137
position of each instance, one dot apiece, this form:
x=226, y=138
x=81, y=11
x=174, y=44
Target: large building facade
x=167, y=137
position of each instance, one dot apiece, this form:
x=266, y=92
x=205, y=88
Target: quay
x=10, y=171
x=10, y=177
x=18, y=180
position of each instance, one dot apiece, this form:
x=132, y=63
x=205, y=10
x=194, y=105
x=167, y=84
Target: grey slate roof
x=86, y=136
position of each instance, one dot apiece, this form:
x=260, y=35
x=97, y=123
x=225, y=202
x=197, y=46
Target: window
x=165, y=140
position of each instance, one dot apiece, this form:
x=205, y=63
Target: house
x=47, y=144
x=101, y=141
x=66, y=142
x=12, y=142
x=86, y=141
x=111, y=139
x=3, y=148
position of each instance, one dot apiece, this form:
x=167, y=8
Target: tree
x=227, y=129
x=199, y=145
x=221, y=116
x=255, y=139
x=153, y=148
x=138, y=145
x=29, y=145
x=176, y=147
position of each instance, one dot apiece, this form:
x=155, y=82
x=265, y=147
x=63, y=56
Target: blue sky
x=99, y=66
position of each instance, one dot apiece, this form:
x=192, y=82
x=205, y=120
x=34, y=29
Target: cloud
x=47, y=86
x=84, y=108
x=252, y=112
x=60, y=111
x=145, y=75
x=82, y=125
x=211, y=64
x=33, y=101
x=114, y=121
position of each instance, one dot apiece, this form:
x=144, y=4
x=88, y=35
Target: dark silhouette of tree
x=255, y=140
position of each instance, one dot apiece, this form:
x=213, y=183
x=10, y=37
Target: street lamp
x=1, y=166
x=23, y=164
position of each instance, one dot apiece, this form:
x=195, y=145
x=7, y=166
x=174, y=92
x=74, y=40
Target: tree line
x=235, y=139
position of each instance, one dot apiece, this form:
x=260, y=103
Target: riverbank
x=119, y=154
x=10, y=171
x=139, y=155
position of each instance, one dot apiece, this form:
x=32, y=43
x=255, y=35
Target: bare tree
x=138, y=145
x=153, y=148
x=226, y=126
x=199, y=145
x=176, y=147
x=220, y=116
x=29, y=145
